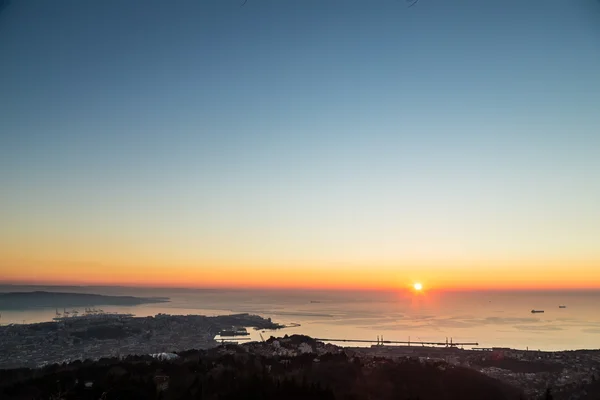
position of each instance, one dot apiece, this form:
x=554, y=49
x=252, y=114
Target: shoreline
x=268, y=327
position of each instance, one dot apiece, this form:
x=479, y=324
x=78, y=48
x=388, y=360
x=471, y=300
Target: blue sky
x=331, y=130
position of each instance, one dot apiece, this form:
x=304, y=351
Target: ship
x=234, y=332
x=537, y=311
x=562, y=306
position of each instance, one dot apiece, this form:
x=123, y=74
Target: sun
x=418, y=286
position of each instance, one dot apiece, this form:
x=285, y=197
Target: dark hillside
x=226, y=373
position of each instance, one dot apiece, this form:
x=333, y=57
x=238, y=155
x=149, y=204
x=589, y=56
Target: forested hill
x=41, y=299
x=232, y=372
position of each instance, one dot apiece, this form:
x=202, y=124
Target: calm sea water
x=489, y=318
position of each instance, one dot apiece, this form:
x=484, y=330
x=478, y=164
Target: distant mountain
x=41, y=299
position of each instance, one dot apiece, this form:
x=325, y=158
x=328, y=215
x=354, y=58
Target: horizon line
x=286, y=288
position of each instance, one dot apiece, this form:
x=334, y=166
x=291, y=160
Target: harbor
x=90, y=313
x=100, y=335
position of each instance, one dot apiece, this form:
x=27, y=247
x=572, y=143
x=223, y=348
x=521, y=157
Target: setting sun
x=418, y=286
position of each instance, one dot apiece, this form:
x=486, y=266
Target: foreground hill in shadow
x=237, y=372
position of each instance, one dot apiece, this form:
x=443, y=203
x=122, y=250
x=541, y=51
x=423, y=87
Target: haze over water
x=493, y=319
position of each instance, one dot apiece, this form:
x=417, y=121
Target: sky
x=326, y=144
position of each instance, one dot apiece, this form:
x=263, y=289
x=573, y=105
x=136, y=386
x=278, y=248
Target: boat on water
x=537, y=311
x=562, y=306
x=234, y=332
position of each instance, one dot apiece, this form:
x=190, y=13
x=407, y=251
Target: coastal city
x=112, y=335
x=97, y=336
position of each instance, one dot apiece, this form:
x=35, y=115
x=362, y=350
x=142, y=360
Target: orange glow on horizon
x=434, y=275
x=299, y=277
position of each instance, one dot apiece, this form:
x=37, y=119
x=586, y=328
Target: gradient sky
x=301, y=143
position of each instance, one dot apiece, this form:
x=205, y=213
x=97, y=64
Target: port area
x=90, y=315
x=111, y=335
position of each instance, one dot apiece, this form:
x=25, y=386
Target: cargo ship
x=537, y=311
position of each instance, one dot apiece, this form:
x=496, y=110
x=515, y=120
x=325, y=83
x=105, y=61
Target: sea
x=488, y=318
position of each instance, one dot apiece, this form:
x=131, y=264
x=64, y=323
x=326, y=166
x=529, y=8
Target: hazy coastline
x=44, y=299
x=493, y=319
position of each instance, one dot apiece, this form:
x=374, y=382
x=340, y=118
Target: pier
x=381, y=342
